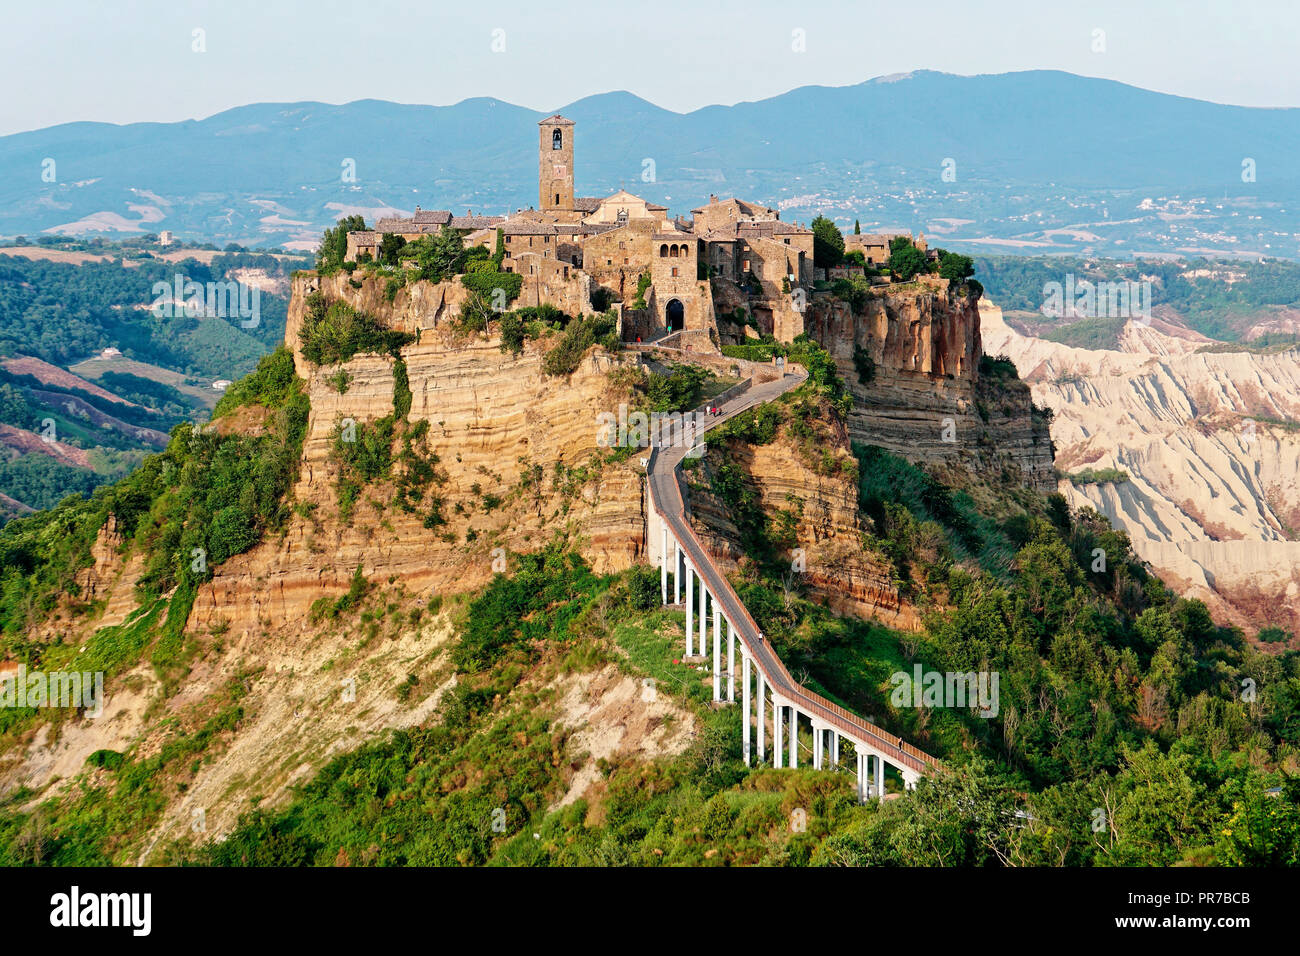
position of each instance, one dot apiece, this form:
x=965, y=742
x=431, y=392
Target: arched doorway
x=676, y=315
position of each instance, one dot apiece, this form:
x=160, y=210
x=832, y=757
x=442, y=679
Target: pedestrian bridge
x=766, y=687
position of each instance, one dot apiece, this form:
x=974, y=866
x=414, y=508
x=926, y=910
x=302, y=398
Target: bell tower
x=555, y=164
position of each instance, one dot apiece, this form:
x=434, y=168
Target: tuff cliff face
x=912, y=360
x=821, y=502
x=516, y=464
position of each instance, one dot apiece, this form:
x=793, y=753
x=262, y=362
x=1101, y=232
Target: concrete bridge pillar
x=677, y=571
x=690, y=601
x=762, y=718
x=817, y=745
x=794, y=737
x=704, y=621
x=776, y=732
x=744, y=695
x=862, y=776
x=880, y=778
x=663, y=564
x=835, y=749
x=717, y=651
x=731, y=663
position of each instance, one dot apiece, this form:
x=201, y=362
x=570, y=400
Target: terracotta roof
x=556, y=120
x=407, y=226
x=748, y=208
x=475, y=222
x=365, y=236
x=875, y=238
x=432, y=215
x=773, y=226
x=526, y=228
x=586, y=203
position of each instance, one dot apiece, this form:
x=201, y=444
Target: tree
x=334, y=243
x=857, y=228
x=437, y=257
x=828, y=243
x=389, y=246
x=954, y=267
x=905, y=260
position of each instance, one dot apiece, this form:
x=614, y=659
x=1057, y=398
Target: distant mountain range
x=1038, y=161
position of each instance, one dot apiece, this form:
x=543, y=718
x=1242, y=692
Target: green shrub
x=565, y=357
x=336, y=332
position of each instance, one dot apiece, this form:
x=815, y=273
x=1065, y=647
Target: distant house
x=221, y=384
x=165, y=238
x=110, y=353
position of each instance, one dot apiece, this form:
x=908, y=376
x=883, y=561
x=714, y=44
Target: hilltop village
x=661, y=274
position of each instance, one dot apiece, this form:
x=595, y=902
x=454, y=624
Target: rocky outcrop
x=1212, y=502
x=829, y=528
x=923, y=397
x=516, y=454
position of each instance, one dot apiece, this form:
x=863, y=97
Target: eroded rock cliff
x=1208, y=441
x=911, y=358
x=517, y=462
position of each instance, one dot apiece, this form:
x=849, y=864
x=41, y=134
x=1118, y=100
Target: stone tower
x=555, y=164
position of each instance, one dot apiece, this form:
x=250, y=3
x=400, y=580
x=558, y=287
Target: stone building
x=662, y=274
x=875, y=246
x=555, y=164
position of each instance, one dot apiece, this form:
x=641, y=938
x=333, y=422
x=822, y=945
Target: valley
x=1209, y=439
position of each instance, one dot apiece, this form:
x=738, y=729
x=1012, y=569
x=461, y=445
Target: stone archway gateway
x=675, y=315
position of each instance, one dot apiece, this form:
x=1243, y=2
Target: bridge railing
x=747, y=630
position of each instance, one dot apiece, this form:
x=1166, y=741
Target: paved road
x=666, y=495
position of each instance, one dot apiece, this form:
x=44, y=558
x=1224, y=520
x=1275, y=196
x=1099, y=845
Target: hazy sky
x=132, y=60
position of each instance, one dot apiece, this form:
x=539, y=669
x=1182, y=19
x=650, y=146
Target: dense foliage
x=578, y=336
x=62, y=313
x=1194, y=288
x=208, y=496
x=334, y=332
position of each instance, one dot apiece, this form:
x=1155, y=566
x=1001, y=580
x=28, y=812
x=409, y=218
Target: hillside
x=1166, y=177
x=93, y=375
x=1210, y=440
x=391, y=608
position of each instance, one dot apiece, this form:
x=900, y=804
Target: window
x=663, y=251
x=609, y=262
x=557, y=140
x=672, y=252
x=557, y=199
x=674, y=272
